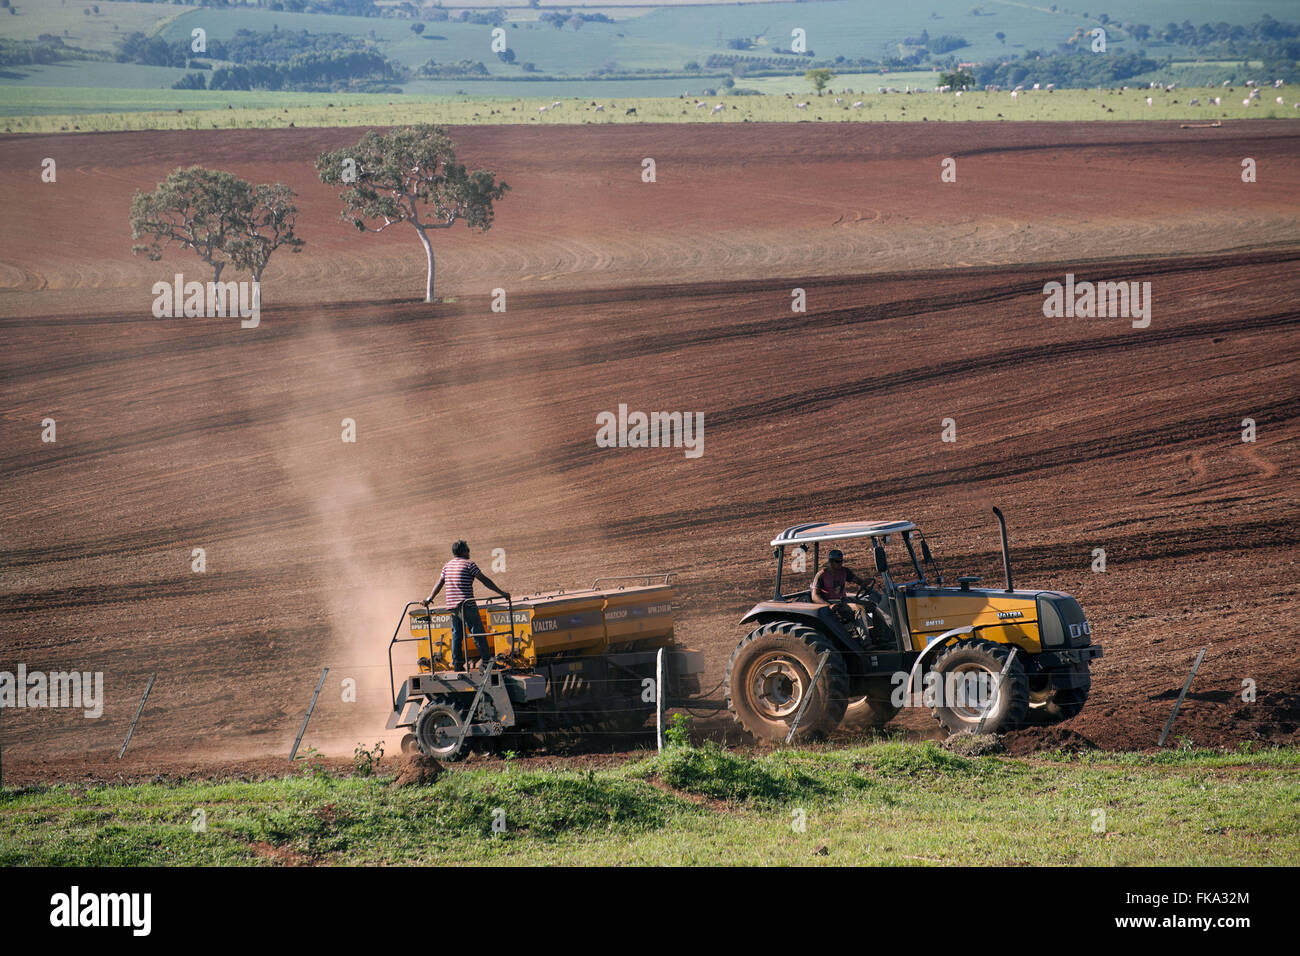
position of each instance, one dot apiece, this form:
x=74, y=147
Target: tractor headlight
x=1061, y=622
x=1051, y=631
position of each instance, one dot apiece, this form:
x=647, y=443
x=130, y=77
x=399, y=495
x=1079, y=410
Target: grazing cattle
x=801, y=106
x=1148, y=101
x=630, y=112
x=600, y=109
x=717, y=108
x=857, y=105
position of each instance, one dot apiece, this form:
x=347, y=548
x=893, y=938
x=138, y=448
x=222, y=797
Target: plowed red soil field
x=924, y=303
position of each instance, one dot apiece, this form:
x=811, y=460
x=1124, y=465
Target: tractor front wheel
x=969, y=690
x=1060, y=694
x=770, y=677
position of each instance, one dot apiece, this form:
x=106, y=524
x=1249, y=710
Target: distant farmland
x=206, y=110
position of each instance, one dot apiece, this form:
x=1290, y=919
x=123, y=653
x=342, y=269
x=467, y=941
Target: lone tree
x=410, y=175
x=197, y=208
x=267, y=226
x=819, y=78
x=957, y=79
x=220, y=217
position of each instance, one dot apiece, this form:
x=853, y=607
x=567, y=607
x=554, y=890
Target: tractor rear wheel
x=1062, y=693
x=872, y=711
x=968, y=670
x=438, y=730
x=769, y=677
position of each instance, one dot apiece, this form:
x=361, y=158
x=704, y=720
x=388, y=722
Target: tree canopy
x=411, y=175
x=221, y=218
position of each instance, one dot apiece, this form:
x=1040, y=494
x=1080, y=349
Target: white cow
x=717, y=109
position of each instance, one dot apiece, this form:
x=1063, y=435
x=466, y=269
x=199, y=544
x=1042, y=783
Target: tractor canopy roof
x=839, y=531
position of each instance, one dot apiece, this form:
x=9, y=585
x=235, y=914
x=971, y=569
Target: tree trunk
x=216, y=270
x=428, y=251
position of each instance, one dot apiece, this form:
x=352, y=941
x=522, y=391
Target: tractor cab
x=887, y=557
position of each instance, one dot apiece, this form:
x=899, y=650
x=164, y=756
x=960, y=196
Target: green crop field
x=882, y=804
x=69, y=20
x=35, y=110
x=662, y=39
x=667, y=38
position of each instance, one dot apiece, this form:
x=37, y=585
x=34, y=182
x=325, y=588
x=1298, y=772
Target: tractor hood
x=1024, y=617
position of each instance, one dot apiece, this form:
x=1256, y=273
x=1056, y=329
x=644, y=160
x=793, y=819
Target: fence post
x=659, y=698
x=812, y=687
x=997, y=689
x=1195, y=667
x=293, y=754
x=139, y=710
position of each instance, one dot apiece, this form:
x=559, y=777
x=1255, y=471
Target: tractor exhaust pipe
x=1006, y=554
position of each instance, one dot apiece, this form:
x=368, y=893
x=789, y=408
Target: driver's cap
x=835, y=554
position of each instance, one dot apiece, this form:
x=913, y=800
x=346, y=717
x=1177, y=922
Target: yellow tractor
x=980, y=659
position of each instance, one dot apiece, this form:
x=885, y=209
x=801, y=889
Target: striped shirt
x=458, y=573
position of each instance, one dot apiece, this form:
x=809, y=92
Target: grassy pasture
x=37, y=110
x=886, y=803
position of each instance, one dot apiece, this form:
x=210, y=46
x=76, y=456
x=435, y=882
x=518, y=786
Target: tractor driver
x=829, y=587
x=459, y=575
